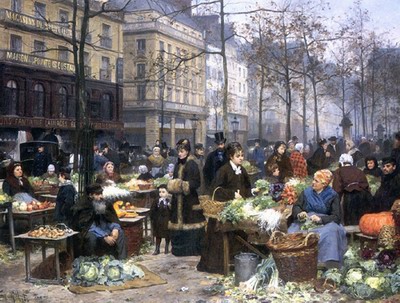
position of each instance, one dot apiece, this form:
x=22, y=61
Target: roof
x=163, y=7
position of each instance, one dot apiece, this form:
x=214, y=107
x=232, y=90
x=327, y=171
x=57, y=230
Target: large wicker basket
x=295, y=255
x=211, y=208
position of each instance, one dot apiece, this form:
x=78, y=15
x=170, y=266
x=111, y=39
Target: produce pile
x=372, y=275
x=105, y=270
x=251, y=169
x=31, y=206
x=52, y=232
x=4, y=198
x=124, y=210
x=293, y=188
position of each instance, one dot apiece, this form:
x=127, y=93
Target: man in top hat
x=215, y=160
x=333, y=150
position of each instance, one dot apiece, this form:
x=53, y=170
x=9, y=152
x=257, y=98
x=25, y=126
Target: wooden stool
x=351, y=230
x=368, y=241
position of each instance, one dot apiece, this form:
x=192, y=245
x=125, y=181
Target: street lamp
x=235, y=127
x=194, y=120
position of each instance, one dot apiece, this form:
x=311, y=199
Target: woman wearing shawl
x=108, y=175
x=352, y=185
x=321, y=204
x=280, y=158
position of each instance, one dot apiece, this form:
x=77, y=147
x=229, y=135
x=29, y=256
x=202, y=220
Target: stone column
x=152, y=130
x=173, y=139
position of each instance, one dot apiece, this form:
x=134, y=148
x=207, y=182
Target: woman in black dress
x=231, y=182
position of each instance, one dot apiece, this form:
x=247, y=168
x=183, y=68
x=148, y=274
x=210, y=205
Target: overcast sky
x=385, y=14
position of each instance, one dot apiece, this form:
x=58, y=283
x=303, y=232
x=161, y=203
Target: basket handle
x=275, y=235
x=212, y=198
x=305, y=242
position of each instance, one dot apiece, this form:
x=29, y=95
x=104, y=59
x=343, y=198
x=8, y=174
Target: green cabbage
x=375, y=282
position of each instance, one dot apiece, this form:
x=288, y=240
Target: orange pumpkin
x=371, y=224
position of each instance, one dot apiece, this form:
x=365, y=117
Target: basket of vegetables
x=295, y=255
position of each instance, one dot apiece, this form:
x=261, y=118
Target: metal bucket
x=245, y=266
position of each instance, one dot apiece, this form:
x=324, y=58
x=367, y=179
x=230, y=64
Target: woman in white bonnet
x=352, y=186
x=170, y=171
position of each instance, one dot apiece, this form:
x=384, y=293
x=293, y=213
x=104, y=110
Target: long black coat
x=227, y=183
x=64, y=202
x=388, y=192
x=40, y=163
x=212, y=165
x=159, y=215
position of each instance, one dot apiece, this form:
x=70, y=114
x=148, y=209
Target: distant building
x=163, y=87
x=37, y=90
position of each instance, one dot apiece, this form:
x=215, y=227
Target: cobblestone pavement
x=179, y=272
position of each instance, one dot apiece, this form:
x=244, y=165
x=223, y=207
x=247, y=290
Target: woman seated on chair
x=321, y=204
x=231, y=182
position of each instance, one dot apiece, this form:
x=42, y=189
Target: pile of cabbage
x=105, y=270
x=372, y=276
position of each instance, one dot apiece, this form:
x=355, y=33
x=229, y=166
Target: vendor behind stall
x=50, y=176
x=231, y=182
x=16, y=185
x=109, y=174
x=321, y=204
x=98, y=223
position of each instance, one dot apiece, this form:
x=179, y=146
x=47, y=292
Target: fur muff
x=185, y=188
x=174, y=186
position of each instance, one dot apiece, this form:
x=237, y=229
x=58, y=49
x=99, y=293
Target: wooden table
x=30, y=215
x=133, y=229
x=48, y=197
x=8, y=207
x=147, y=193
x=145, y=212
x=46, y=243
x=227, y=228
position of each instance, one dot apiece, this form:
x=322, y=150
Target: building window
x=105, y=72
x=38, y=100
x=63, y=102
x=141, y=92
x=140, y=71
x=39, y=48
x=63, y=53
x=141, y=46
x=16, y=6
x=63, y=16
x=40, y=10
x=86, y=62
x=16, y=43
x=106, y=107
x=105, y=40
x=9, y=105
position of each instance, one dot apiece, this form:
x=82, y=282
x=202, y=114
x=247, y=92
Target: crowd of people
x=339, y=194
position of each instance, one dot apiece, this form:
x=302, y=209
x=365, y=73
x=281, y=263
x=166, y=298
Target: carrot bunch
x=289, y=195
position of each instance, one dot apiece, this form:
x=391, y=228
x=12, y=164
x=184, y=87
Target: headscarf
x=345, y=158
x=324, y=176
x=299, y=147
x=143, y=169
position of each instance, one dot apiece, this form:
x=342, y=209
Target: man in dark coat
x=215, y=160
x=258, y=156
x=98, y=224
x=333, y=150
x=41, y=162
x=389, y=190
x=111, y=155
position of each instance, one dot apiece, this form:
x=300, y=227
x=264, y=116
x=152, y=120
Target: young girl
x=159, y=215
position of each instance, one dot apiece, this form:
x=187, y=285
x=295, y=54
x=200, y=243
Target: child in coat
x=159, y=215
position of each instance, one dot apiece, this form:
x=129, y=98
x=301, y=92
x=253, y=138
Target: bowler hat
x=219, y=138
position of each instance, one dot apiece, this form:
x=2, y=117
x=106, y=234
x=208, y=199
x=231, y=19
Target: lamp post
x=235, y=127
x=194, y=120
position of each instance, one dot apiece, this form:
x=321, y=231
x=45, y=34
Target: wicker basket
x=211, y=208
x=295, y=255
x=387, y=236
